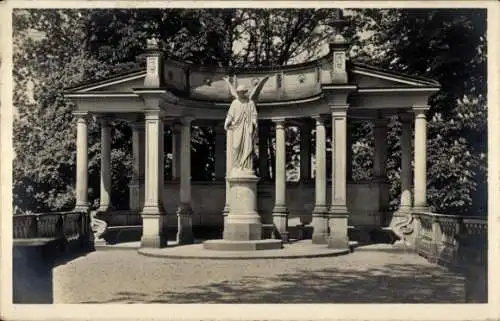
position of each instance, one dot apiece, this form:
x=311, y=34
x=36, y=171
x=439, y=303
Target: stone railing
x=451, y=240
x=66, y=229
x=459, y=243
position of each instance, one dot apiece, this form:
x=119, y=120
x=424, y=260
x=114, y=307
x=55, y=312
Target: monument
x=327, y=95
x=243, y=228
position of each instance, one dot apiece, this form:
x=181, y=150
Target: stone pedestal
x=243, y=228
x=243, y=221
x=338, y=229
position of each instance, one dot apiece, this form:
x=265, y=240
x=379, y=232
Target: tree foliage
x=448, y=45
x=54, y=49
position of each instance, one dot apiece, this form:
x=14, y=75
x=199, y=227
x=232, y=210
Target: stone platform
x=295, y=249
x=250, y=245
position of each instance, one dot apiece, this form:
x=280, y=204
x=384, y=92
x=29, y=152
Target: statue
x=241, y=119
x=152, y=43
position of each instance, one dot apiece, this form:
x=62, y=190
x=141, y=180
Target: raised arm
x=256, y=90
x=231, y=87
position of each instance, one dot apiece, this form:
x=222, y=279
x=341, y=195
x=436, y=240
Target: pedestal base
x=242, y=223
x=337, y=222
x=242, y=232
x=250, y=245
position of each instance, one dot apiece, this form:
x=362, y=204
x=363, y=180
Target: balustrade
x=451, y=240
x=71, y=229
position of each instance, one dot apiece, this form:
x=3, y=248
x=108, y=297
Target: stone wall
x=208, y=199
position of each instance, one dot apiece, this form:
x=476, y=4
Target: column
x=350, y=139
x=379, y=169
x=161, y=165
x=280, y=211
x=229, y=161
x=176, y=150
x=338, y=211
x=380, y=152
x=420, y=177
x=81, y=162
x=263, y=152
x=319, y=215
x=305, y=152
x=153, y=221
x=104, y=199
x=405, y=142
x=184, y=211
x=220, y=150
x=136, y=201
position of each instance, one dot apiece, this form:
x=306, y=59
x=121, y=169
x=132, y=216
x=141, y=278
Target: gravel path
x=374, y=274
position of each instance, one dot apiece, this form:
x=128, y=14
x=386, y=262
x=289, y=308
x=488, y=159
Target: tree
x=48, y=58
x=448, y=45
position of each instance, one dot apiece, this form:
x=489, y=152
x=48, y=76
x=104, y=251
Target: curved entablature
x=285, y=83
x=321, y=82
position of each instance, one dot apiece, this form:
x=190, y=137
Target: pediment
x=124, y=83
x=369, y=77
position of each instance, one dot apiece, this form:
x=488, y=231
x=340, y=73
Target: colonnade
x=329, y=221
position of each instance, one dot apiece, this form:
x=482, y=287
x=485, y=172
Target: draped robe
x=242, y=116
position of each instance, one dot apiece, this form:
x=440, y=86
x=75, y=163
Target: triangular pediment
x=369, y=77
x=124, y=83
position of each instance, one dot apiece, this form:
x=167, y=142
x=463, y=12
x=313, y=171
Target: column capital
x=175, y=126
x=105, y=120
x=319, y=118
x=420, y=110
x=152, y=114
x=186, y=120
x=340, y=110
x=279, y=122
x=81, y=116
x=169, y=121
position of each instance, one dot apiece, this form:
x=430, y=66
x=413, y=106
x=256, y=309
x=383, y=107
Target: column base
x=280, y=221
x=320, y=225
x=185, y=224
x=337, y=222
x=153, y=228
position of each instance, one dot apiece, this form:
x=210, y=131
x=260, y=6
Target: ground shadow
x=32, y=276
x=394, y=283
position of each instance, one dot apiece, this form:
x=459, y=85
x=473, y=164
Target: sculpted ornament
x=241, y=123
x=97, y=225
